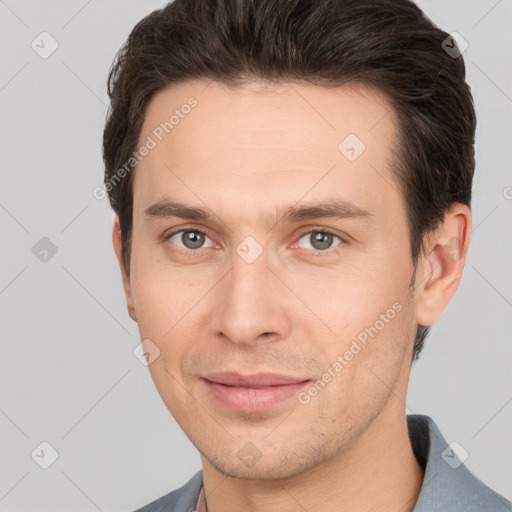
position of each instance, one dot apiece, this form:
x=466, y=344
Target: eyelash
x=190, y=253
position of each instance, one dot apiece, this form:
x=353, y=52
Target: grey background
x=68, y=373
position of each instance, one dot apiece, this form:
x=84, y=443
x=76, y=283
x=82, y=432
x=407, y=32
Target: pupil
x=192, y=239
x=321, y=240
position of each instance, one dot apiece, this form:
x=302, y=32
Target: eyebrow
x=333, y=208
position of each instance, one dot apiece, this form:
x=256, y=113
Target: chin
x=236, y=465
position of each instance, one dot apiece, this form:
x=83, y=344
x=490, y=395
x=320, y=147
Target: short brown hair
x=388, y=44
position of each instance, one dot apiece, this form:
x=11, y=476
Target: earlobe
x=117, y=243
x=442, y=264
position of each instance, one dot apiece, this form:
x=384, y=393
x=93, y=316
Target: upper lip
x=253, y=380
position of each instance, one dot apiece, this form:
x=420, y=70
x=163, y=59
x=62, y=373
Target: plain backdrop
x=68, y=374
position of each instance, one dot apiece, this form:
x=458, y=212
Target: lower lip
x=252, y=399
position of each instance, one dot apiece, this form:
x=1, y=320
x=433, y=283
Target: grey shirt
x=448, y=486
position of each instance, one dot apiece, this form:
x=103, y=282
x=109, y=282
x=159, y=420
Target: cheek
x=162, y=292
x=363, y=366
x=369, y=320
x=172, y=304
x=347, y=300
x=162, y=303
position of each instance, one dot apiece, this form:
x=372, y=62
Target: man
x=292, y=183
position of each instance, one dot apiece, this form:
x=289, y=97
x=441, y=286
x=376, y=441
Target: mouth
x=252, y=393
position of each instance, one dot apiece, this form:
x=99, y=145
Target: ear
x=440, y=266
x=116, y=240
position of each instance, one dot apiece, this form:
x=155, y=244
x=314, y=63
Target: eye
x=191, y=239
x=320, y=240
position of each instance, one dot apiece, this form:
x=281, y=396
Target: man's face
x=250, y=289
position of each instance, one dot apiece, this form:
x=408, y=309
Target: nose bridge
x=248, y=300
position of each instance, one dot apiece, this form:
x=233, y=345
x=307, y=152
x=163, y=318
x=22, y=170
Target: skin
x=244, y=153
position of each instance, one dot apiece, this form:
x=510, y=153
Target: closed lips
x=259, y=380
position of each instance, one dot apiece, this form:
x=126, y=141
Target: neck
x=378, y=472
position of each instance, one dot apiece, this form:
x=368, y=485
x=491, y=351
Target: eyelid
x=176, y=230
x=322, y=229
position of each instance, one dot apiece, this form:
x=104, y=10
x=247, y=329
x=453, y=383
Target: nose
x=250, y=304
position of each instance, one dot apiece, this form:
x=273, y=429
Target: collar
x=201, y=501
x=448, y=486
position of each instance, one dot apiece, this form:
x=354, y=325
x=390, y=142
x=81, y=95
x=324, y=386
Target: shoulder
x=448, y=485
x=183, y=499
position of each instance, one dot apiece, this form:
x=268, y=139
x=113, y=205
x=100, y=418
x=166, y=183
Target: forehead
x=262, y=144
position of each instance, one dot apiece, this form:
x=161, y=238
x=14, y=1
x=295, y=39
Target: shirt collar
x=447, y=485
